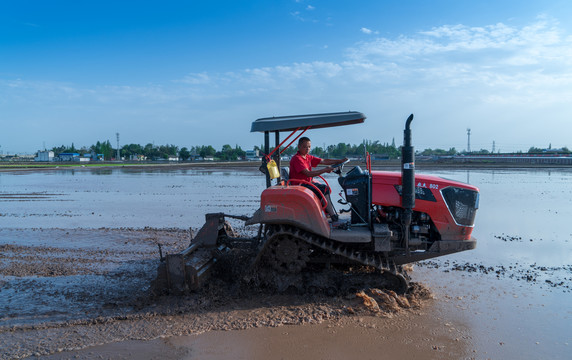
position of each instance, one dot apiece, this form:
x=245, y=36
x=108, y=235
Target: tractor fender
x=292, y=205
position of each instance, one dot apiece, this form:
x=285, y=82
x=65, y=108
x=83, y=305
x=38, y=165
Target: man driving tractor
x=301, y=166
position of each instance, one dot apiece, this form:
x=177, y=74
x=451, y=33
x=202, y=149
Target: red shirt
x=298, y=164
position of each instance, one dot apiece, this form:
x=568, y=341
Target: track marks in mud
x=91, y=286
x=215, y=307
x=47, y=275
x=42, y=261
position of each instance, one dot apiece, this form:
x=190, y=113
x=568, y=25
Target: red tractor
x=392, y=218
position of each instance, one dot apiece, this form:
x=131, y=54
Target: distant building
x=92, y=156
x=68, y=157
x=137, y=157
x=252, y=155
x=19, y=158
x=45, y=156
x=550, y=150
x=195, y=157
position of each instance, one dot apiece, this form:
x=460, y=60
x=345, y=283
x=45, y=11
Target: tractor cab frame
x=293, y=124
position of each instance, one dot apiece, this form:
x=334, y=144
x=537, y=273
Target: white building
x=252, y=155
x=44, y=156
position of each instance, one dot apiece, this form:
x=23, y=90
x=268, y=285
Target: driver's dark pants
x=322, y=187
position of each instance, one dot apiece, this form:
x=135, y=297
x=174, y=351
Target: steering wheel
x=339, y=167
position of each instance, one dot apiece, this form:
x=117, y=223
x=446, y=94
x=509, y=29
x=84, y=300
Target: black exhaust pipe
x=408, y=181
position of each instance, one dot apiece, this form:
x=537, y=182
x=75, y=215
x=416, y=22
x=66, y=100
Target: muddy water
x=75, y=252
x=123, y=197
x=515, y=290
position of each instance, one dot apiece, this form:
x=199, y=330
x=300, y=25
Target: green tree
x=184, y=154
x=439, y=152
x=59, y=149
x=239, y=152
x=290, y=151
x=64, y=149
x=166, y=151
x=535, y=150
x=340, y=150
x=230, y=154
x=206, y=151
x=104, y=148
x=318, y=151
x=131, y=150
x=481, y=152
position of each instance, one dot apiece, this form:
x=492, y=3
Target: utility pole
x=118, y=157
x=468, y=140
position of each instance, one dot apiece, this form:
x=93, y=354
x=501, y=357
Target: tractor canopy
x=314, y=121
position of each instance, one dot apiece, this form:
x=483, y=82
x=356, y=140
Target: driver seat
x=285, y=173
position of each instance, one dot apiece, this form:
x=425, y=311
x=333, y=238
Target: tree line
x=228, y=153
x=154, y=152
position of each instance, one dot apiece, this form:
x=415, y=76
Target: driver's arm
x=333, y=161
x=317, y=172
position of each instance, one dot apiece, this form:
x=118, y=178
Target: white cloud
x=368, y=31
x=541, y=40
x=197, y=79
x=491, y=74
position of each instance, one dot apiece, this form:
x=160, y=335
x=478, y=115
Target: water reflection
x=103, y=172
x=531, y=205
x=522, y=217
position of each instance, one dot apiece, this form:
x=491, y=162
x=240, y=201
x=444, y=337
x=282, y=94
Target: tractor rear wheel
x=287, y=254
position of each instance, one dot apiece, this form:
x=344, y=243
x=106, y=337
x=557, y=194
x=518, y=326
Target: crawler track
x=295, y=265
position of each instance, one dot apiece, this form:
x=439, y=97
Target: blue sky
x=198, y=73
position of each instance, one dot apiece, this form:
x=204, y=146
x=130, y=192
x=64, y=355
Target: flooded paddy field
x=78, y=249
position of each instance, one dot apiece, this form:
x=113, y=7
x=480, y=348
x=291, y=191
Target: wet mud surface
x=78, y=250
x=92, y=286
